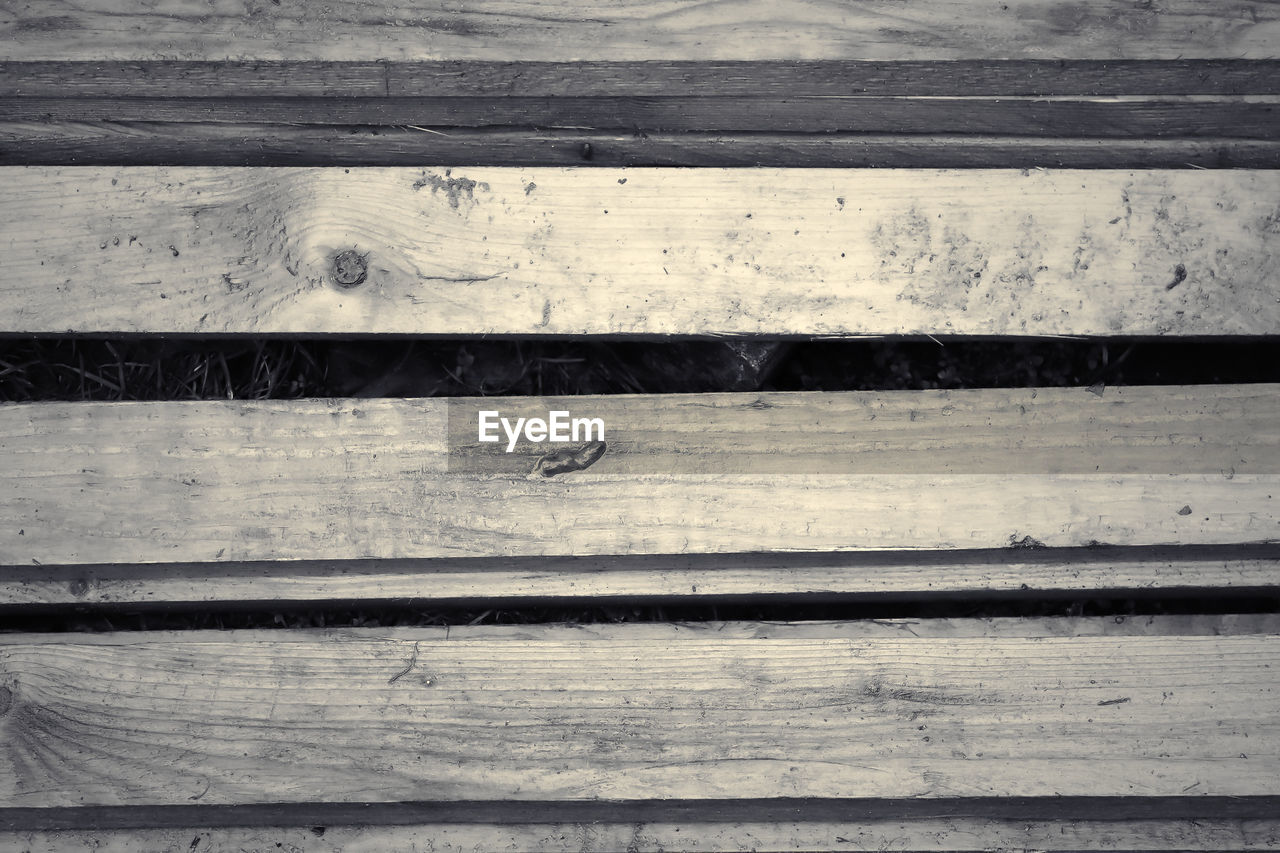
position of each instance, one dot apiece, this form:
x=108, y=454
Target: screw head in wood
x=350, y=268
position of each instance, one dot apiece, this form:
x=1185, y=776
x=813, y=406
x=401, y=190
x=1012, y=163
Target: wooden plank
x=506, y=30
x=758, y=79
x=703, y=252
x=231, y=144
x=702, y=816
x=1110, y=118
x=388, y=479
x=514, y=581
x=938, y=834
x=637, y=713
x=46, y=79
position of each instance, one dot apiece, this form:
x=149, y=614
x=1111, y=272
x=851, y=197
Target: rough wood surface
x=1105, y=118
x=1020, y=573
x=343, y=479
x=504, y=30
x=641, y=251
x=962, y=834
x=652, y=712
x=759, y=79
x=113, y=143
x=1183, y=101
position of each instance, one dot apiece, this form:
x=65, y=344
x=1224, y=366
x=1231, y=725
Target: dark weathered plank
x=350, y=479
x=986, y=710
x=1250, y=813
x=760, y=79
x=1244, y=119
x=654, y=251
x=1019, y=573
x=144, y=79
x=230, y=144
x=505, y=30
x=607, y=833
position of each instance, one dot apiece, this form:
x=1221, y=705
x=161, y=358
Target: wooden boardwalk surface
x=504, y=30
x=733, y=711
x=800, y=83
x=278, y=480
x=1051, y=168
x=769, y=831
x=1011, y=573
x=640, y=251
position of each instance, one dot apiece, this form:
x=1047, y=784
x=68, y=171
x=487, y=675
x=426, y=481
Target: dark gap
x=601, y=610
x=173, y=368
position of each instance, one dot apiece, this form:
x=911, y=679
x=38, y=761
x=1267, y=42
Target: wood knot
x=6, y=700
x=350, y=268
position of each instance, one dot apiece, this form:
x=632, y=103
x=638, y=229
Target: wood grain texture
x=758, y=79
x=343, y=479
x=1005, y=573
x=640, y=251
x=1111, y=118
x=920, y=834
x=52, y=143
x=652, y=712
x=506, y=30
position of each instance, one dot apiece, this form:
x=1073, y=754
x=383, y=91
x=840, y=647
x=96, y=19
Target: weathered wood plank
x=758, y=79
x=343, y=479
x=709, y=251
x=1005, y=573
x=504, y=30
x=1112, y=118
x=958, y=833
x=232, y=144
x=656, y=712
x=701, y=815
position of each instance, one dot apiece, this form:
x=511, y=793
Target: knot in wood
x=349, y=268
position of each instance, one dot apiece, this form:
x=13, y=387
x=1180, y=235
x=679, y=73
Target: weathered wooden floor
x=921, y=709
x=803, y=168
x=350, y=479
x=640, y=251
